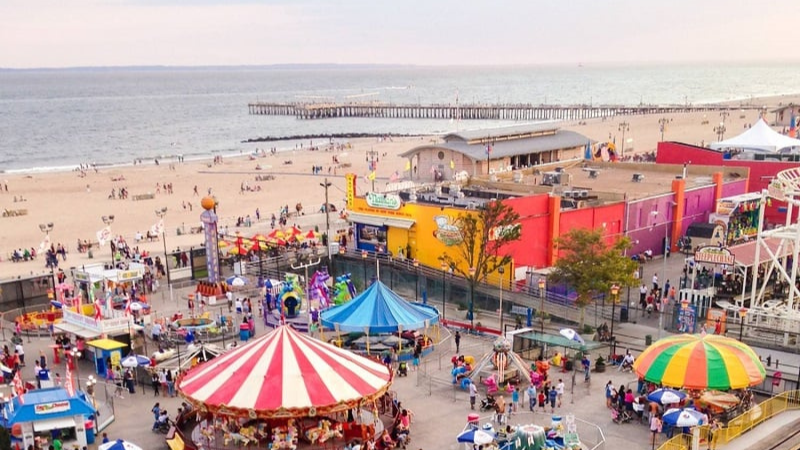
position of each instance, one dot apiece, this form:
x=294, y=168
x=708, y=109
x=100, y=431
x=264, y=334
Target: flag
x=588, y=153
x=103, y=236
x=371, y=176
x=452, y=164
x=395, y=176
x=19, y=388
x=793, y=126
x=408, y=166
x=488, y=149
x=68, y=384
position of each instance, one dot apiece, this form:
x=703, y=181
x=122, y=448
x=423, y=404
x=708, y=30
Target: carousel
x=282, y=390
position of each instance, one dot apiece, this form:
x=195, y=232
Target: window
x=441, y=155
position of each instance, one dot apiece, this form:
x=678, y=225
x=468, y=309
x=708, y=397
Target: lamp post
x=364, y=258
x=76, y=354
x=416, y=276
x=325, y=185
x=501, y=270
x=161, y=213
x=471, y=298
x=542, y=295
x=724, y=115
x=662, y=126
x=444, y=286
x=46, y=229
x=623, y=127
x=742, y=314
x=720, y=130
x=614, y=300
x=108, y=220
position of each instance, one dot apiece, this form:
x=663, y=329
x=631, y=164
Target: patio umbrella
x=312, y=235
x=119, y=444
x=685, y=417
x=475, y=436
x=236, y=281
x=131, y=361
x=259, y=238
x=572, y=335
x=223, y=244
x=276, y=234
x=665, y=396
x=700, y=362
x=138, y=306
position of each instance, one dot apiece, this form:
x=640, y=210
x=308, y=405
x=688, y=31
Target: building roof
x=523, y=146
x=510, y=132
x=54, y=403
x=784, y=108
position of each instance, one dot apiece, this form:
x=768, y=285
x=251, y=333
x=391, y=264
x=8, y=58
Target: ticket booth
x=38, y=415
x=103, y=350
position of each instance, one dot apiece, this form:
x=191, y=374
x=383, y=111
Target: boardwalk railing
x=523, y=111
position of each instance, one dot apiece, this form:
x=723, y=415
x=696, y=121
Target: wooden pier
x=471, y=112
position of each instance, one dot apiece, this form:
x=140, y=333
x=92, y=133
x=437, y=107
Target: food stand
x=104, y=350
x=39, y=412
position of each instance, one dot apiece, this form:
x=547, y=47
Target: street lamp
x=76, y=354
x=614, y=300
x=471, y=298
x=161, y=213
x=720, y=130
x=444, y=286
x=46, y=229
x=724, y=115
x=663, y=273
x=325, y=185
x=108, y=220
x=662, y=126
x=742, y=314
x=542, y=295
x=623, y=127
x=416, y=273
x=364, y=258
x=501, y=270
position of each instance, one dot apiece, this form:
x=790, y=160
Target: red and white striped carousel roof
x=284, y=371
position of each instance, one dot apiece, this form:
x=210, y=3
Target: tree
x=5, y=439
x=482, y=237
x=590, y=265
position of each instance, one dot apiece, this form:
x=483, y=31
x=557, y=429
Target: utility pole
x=623, y=127
x=326, y=185
x=662, y=125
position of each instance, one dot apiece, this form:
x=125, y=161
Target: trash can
x=244, y=332
x=648, y=339
x=89, y=426
x=623, y=314
x=474, y=419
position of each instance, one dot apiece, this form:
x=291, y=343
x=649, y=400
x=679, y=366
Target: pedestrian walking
x=514, y=399
x=156, y=385
x=458, y=342
x=560, y=391
x=531, y=391
x=473, y=395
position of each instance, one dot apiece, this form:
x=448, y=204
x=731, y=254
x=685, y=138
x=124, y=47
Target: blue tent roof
x=380, y=309
x=50, y=399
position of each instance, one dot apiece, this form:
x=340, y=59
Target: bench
x=15, y=212
x=148, y=196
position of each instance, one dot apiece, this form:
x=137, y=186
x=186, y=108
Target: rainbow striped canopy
x=694, y=361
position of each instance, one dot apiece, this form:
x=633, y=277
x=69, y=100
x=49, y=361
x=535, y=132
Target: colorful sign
x=714, y=255
x=384, y=201
x=726, y=207
x=498, y=232
x=446, y=231
x=687, y=319
x=125, y=275
x=350, y=178
x=52, y=407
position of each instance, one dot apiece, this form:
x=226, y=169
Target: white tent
x=759, y=137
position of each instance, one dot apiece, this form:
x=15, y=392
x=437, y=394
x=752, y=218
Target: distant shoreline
x=300, y=137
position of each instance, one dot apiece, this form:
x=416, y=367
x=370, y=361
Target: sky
x=77, y=33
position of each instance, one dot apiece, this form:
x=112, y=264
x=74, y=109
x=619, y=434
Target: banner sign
x=714, y=255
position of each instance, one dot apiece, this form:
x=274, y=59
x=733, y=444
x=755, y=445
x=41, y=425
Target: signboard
x=687, y=319
x=446, y=231
x=384, y=201
x=519, y=310
x=726, y=207
x=777, y=190
x=124, y=275
x=81, y=320
x=714, y=255
x=80, y=276
x=52, y=407
x=350, y=178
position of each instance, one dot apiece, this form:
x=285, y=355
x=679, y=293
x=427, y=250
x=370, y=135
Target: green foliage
x=600, y=361
x=5, y=439
x=587, y=329
x=590, y=265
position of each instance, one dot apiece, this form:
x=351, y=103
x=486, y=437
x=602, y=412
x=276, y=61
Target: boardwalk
x=521, y=111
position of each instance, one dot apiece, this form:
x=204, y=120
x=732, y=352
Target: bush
x=461, y=306
x=588, y=329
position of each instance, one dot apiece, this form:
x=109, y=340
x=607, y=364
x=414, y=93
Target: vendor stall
x=103, y=351
x=738, y=215
x=44, y=413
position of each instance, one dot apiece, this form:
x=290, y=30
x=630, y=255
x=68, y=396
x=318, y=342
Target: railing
x=741, y=424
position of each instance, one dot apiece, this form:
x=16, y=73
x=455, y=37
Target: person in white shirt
x=560, y=391
x=655, y=281
x=21, y=352
x=627, y=362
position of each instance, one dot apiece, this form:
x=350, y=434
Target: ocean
x=57, y=119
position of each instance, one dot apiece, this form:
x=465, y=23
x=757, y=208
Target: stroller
x=402, y=369
x=488, y=403
x=620, y=415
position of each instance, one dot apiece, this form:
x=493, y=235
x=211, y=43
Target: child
x=514, y=399
x=542, y=397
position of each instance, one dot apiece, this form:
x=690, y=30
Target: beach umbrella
x=138, y=306
x=572, y=335
x=276, y=234
x=476, y=436
x=700, y=362
x=131, y=361
x=685, y=417
x=665, y=396
x=259, y=238
x=6, y=369
x=312, y=235
x=119, y=444
x=223, y=244
x=236, y=281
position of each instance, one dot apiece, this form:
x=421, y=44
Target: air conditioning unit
x=569, y=194
x=584, y=194
x=471, y=205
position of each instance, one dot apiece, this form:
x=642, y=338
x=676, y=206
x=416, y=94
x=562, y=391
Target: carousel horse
x=491, y=384
x=318, y=289
x=208, y=433
x=237, y=439
x=249, y=433
x=321, y=433
x=343, y=290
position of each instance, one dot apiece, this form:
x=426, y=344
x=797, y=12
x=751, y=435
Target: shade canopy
x=759, y=137
x=685, y=417
x=700, y=362
x=379, y=310
x=119, y=444
x=284, y=374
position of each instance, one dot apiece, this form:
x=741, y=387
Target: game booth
x=281, y=390
x=37, y=415
x=738, y=216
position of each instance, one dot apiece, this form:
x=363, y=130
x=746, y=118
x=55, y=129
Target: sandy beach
x=75, y=204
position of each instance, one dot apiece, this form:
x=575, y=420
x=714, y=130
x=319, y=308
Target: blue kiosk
x=44, y=413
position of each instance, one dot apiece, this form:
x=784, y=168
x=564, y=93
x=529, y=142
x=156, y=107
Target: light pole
x=501, y=270
x=161, y=213
x=108, y=220
x=416, y=273
x=46, y=229
x=471, y=298
x=724, y=115
x=720, y=130
x=325, y=185
x=614, y=300
x=76, y=354
x=444, y=286
x=542, y=295
x=663, y=273
x=742, y=314
x=662, y=126
x=364, y=258
x=623, y=127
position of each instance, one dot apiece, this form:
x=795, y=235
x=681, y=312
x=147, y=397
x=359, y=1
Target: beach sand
x=75, y=204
